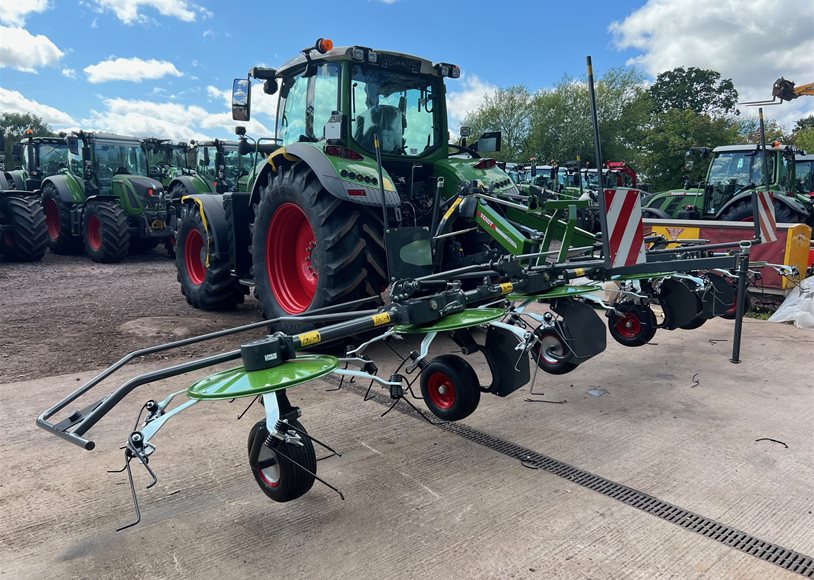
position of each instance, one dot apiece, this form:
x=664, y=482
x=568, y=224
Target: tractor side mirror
x=689, y=162
x=489, y=142
x=16, y=151
x=73, y=144
x=206, y=156
x=466, y=131
x=241, y=99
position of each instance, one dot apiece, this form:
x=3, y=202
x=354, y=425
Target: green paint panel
x=237, y=382
x=559, y=292
x=466, y=319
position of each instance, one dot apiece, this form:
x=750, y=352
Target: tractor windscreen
x=52, y=157
x=118, y=158
x=738, y=169
x=179, y=157
x=400, y=107
x=231, y=164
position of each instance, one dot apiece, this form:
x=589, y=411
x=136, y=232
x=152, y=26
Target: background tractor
x=312, y=231
x=734, y=172
x=38, y=158
x=23, y=234
x=105, y=199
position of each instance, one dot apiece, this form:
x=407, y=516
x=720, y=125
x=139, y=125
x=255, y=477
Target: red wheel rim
x=628, y=325
x=291, y=259
x=193, y=257
x=441, y=390
x=94, y=233
x=52, y=218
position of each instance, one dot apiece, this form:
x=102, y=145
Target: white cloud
x=69, y=72
x=129, y=11
x=15, y=102
x=23, y=51
x=130, y=69
x=465, y=96
x=753, y=43
x=16, y=11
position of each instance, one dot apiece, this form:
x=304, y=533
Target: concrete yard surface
x=674, y=419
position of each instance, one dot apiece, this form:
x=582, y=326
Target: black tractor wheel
x=654, y=213
x=310, y=249
x=275, y=466
x=107, y=237
x=206, y=286
x=27, y=241
x=58, y=220
x=141, y=245
x=634, y=325
x=551, y=352
x=450, y=387
x=742, y=212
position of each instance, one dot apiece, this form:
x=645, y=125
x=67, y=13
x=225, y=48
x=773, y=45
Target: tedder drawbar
x=482, y=306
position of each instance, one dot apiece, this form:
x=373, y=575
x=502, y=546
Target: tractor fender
x=4, y=181
x=793, y=204
x=60, y=182
x=16, y=180
x=327, y=175
x=192, y=184
x=213, y=216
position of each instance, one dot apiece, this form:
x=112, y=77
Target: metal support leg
x=743, y=270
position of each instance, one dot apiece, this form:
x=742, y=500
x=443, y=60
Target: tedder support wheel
x=551, y=352
x=731, y=312
x=742, y=212
x=634, y=326
x=205, y=287
x=450, y=387
x=310, y=249
x=27, y=241
x=107, y=237
x=274, y=467
x=58, y=220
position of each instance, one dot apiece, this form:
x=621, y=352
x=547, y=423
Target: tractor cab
x=104, y=161
x=166, y=160
x=804, y=174
x=39, y=157
x=221, y=164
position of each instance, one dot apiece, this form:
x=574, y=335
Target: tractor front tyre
x=550, y=352
x=27, y=241
x=206, y=285
x=58, y=222
x=631, y=324
x=277, y=466
x=742, y=212
x=450, y=387
x=107, y=236
x=311, y=249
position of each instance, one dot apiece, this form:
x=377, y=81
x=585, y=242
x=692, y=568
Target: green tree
x=804, y=123
x=696, y=89
x=508, y=111
x=749, y=130
x=804, y=139
x=14, y=126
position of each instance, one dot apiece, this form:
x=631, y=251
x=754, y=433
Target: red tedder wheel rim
x=441, y=390
x=193, y=248
x=94, y=232
x=52, y=218
x=291, y=259
x=629, y=325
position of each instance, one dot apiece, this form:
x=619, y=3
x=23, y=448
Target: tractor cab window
x=53, y=157
x=118, y=158
x=309, y=102
x=231, y=166
x=399, y=107
x=156, y=160
x=206, y=158
x=179, y=157
x=734, y=170
x=76, y=161
x=292, y=123
x=804, y=178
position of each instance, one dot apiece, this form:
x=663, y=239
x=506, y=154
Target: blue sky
x=61, y=59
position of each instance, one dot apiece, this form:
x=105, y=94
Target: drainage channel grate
x=709, y=528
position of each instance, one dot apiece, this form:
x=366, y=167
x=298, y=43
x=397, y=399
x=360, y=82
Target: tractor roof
x=361, y=54
x=809, y=157
x=745, y=147
x=112, y=137
x=228, y=144
x=52, y=140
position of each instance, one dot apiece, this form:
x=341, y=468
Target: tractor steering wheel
x=121, y=171
x=462, y=149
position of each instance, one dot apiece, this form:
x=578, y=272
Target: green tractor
x=734, y=172
x=312, y=230
x=23, y=233
x=39, y=157
x=105, y=200
x=222, y=166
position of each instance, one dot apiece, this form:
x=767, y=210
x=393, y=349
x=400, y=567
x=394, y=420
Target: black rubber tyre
x=343, y=259
x=29, y=238
x=205, y=287
x=636, y=326
x=277, y=475
x=730, y=314
x=551, y=342
x=58, y=220
x=105, y=231
x=450, y=387
x=697, y=322
x=654, y=213
x=742, y=211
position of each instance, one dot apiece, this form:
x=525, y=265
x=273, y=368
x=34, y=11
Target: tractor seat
x=388, y=122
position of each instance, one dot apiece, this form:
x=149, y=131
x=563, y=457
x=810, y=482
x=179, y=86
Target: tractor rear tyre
x=635, y=325
x=58, y=220
x=274, y=467
x=29, y=238
x=551, y=343
x=450, y=387
x=107, y=237
x=206, y=286
x=311, y=249
x=742, y=212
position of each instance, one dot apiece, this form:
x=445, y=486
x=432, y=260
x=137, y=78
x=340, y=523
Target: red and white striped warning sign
x=765, y=216
x=626, y=241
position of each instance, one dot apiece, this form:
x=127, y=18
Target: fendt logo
x=489, y=222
